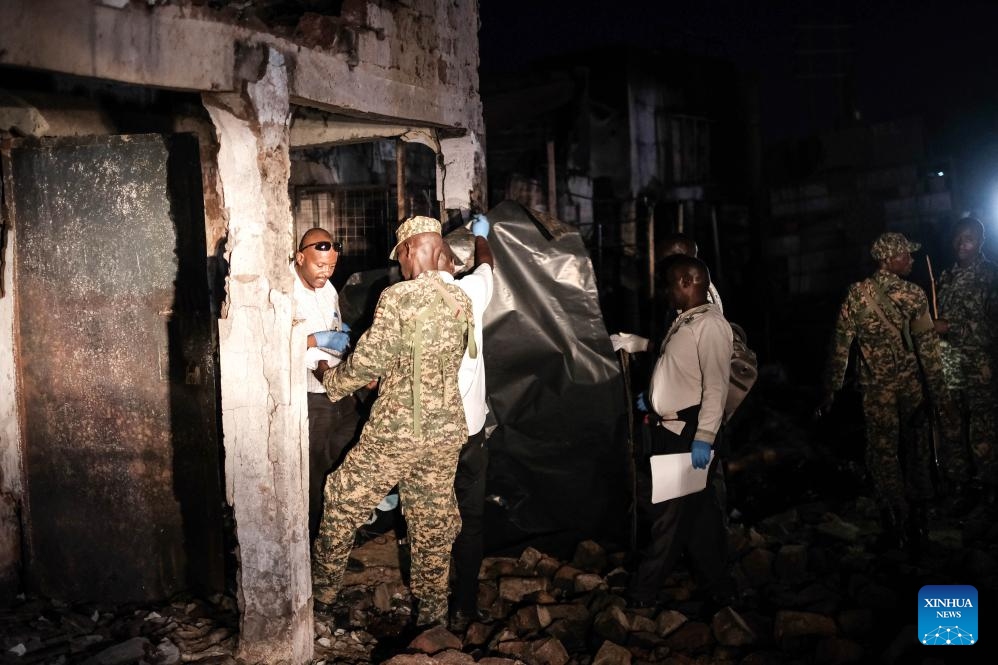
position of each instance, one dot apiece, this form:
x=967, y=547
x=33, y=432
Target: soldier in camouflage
x=889, y=319
x=417, y=426
x=968, y=324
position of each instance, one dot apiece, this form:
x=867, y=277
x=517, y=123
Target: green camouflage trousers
x=424, y=469
x=978, y=404
x=898, y=434
x=971, y=380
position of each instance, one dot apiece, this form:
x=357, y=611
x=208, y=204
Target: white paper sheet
x=673, y=476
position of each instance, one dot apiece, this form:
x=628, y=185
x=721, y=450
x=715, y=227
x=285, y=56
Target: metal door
x=114, y=347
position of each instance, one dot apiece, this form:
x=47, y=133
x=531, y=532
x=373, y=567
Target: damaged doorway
x=352, y=191
x=114, y=352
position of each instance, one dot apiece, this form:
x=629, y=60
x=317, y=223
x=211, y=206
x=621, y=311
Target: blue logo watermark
x=947, y=615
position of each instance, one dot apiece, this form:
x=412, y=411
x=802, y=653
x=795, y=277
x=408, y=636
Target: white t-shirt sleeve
x=478, y=284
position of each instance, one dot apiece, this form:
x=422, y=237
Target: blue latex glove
x=344, y=326
x=332, y=339
x=641, y=403
x=700, y=454
x=480, y=225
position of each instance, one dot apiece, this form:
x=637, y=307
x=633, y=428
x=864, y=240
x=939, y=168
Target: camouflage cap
x=411, y=227
x=889, y=245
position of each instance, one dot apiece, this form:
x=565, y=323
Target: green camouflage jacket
x=968, y=300
x=884, y=353
x=415, y=345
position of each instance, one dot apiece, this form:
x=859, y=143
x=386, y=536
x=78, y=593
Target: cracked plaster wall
x=263, y=400
x=416, y=65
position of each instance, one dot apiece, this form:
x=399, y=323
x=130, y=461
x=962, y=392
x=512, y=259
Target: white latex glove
x=629, y=342
x=313, y=355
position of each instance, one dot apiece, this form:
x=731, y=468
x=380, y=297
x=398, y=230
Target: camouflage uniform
x=413, y=437
x=968, y=300
x=892, y=386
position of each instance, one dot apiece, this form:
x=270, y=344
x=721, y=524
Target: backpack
x=744, y=371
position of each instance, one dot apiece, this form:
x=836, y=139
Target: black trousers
x=469, y=486
x=692, y=524
x=331, y=428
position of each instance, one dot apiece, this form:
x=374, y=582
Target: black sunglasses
x=323, y=246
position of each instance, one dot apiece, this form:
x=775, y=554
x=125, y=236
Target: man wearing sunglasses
x=331, y=425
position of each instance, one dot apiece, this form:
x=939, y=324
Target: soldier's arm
x=373, y=354
x=838, y=357
x=926, y=340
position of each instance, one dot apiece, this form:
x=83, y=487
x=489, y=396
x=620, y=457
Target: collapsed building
x=160, y=160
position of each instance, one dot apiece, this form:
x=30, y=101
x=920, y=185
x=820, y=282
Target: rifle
x=878, y=302
x=932, y=285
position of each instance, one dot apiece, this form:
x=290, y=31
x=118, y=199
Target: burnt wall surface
x=114, y=355
x=416, y=60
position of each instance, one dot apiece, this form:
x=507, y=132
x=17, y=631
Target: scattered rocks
x=612, y=624
x=548, y=651
x=590, y=556
x=435, y=640
x=587, y=582
x=838, y=529
x=612, y=654
x=669, y=621
x=515, y=589
x=531, y=619
x=838, y=651
x=730, y=629
x=827, y=600
x=758, y=566
x=124, y=653
x=692, y=636
x=856, y=623
x=791, y=563
x=790, y=623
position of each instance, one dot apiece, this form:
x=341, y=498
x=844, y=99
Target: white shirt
x=694, y=367
x=316, y=310
x=478, y=285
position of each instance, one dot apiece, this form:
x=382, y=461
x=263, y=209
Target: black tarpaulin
x=558, y=427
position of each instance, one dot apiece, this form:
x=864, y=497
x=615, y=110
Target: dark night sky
x=934, y=59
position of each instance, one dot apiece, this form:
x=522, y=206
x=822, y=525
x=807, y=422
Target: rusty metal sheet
x=116, y=374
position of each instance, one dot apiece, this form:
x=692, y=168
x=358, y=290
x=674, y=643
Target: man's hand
x=480, y=225
x=333, y=340
x=628, y=342
x=700, y=454
x=641, y=403
x=941, y=326
x=320, y=370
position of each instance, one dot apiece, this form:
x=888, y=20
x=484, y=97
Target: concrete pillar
x=11, y=490
x=462, y=176
x=263, y=400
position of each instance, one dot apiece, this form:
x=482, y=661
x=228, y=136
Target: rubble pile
x=813, y=588
x=184, y=631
